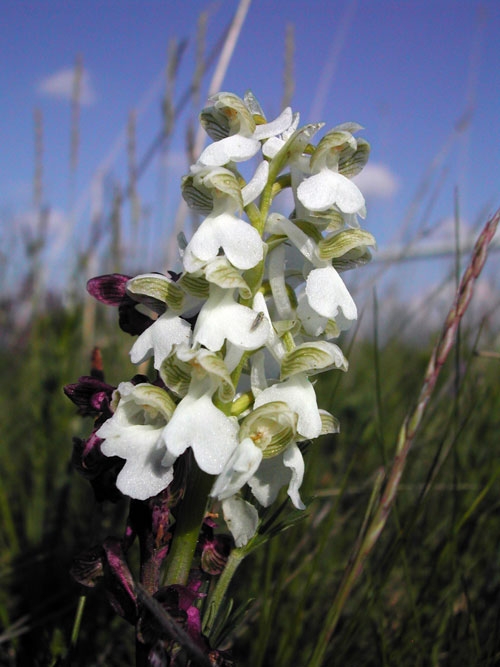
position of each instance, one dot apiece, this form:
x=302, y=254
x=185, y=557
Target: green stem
x=78, y=620
x=187, y=526
x=218, y=595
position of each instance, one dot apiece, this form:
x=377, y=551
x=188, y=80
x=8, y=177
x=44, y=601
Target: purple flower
x=106, y=566
x=101, y=471
x=111, y=289
x=90, y=395
x=215, y=549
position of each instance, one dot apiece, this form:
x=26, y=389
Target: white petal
x=222, y=318
x=144, y=475
x=272, y=147
x=313, y=323
x=241, y=466
x=242, y=519
x=298, y=393
x=158, y=339
x=349, y=197
x=276, y=126
x=256, y=184
x=240, y=241
x=231, y=149
x=203, y=247
x=198, y=424
x=268, y=480
x=292, y=458
x=321, y=191
x=140, y=444
x=327, y=293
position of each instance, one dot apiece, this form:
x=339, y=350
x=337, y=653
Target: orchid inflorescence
x=236, y=337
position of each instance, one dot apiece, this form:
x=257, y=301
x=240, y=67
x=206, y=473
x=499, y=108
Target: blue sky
x=409, y=72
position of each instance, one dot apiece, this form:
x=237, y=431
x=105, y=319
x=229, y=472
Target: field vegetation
x=347, y=583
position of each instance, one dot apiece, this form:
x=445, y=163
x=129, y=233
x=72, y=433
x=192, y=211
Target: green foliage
x=46, y=509
x=430, y=591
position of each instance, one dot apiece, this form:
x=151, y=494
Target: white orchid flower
x=222, y=228
x=326, y=187
x=268, y=457
x=197, y=423
x=159, y=338
x=221, y=318
x=135, y=433
x=230, y=116
x=325, y=290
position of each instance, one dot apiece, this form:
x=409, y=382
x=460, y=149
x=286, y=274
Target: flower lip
x=134, y=433
x=109, y=289
x=321, y=191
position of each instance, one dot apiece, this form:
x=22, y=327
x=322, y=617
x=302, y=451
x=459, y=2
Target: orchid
x=327, y=186
x=222, y=318
x=198, y=424
x=326, y=296
x=158, y=339
x=230, y=121
x=135, y=433
x=240, y=242
x=233, y=342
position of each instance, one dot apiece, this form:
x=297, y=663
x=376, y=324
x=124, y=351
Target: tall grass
x=429, y=593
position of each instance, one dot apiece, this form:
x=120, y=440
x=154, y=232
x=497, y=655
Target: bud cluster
x=237, y=336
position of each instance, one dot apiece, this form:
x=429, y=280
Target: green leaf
x=351, y=163
x=330, y=147
x=176, y=374
x=196, y=286
x=154, y=399
x=311, y=358
x=222, y=273
x=158, y=287
x=339, y=244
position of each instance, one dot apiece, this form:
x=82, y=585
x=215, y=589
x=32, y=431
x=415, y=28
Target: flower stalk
x=235, y=340
x=187, y=527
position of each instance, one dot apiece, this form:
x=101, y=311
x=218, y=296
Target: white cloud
x=377, y=180
x=419, y=317
x=60, y=85
x=431, y=306
x=445, y=231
